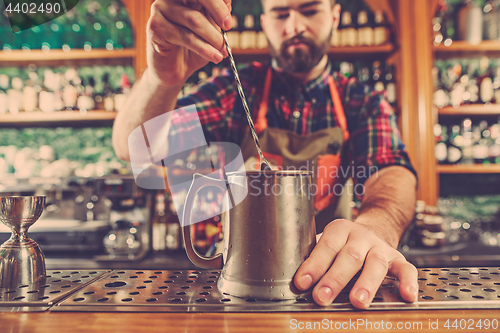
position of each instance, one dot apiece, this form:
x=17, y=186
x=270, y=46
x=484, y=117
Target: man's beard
x=300, y=60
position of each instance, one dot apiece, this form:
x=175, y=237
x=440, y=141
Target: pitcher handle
x=199, y=182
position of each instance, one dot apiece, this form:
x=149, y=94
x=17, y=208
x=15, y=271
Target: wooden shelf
x=69, y=118
x=471, y=110
x=472, y=168
x=460, y=48
x=76, y=54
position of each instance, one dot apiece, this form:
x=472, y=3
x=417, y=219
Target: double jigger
x=21, y=260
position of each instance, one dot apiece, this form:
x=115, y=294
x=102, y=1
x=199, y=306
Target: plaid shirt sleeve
x=375, y=139
x=214, y=102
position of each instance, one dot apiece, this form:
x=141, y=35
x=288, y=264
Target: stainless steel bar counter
x=451, y=299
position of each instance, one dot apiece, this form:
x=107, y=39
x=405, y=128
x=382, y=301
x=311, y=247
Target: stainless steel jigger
x=21, y=260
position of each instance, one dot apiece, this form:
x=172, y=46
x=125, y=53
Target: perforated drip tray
x=196, y=291
x=40, y=297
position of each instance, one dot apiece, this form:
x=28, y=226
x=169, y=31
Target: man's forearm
x=148, y=99
x=389, y=203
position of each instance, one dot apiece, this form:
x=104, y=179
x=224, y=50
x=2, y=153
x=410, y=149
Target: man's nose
x=294, y=25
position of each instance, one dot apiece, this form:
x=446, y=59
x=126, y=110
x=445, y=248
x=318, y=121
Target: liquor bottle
x=4, y=86
x=125, y=34
x=70, y=30
x=377, y=80
x=248, y=37
x=455, y=144
x=480, y=147
x=390, y=85
x=233, y=35
x=54, y=34
x=30, y=96
x=486, y=91
x=15, y=95
x=441, y=97
x=496, y=85
x=261, y=42
x=124, y=92
x=458, y=87
x=346, y=69
x=57, y=90
x=173, y=242
x=437, y=30
x=364, y=74
x=110, y=25
x=159, y=229
x=472, y=88
x=494, y=149
x=467, y=134
x=470, y=22
x=381, y=29
x=6, y=33
x=70, y=90
x=441, y=148
x=46, y=98
x=349, y=33
x=491, y=18
x=335, y=39
x=449, y=27
x=108, y=100
x=365, y=30
x=86, y=100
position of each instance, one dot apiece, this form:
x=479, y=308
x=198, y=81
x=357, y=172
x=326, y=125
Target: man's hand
x=343, y=249
x=183, y=35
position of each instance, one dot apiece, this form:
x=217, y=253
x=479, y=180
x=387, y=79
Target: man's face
x=299, y=31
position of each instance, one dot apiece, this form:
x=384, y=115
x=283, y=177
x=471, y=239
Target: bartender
x=297, y=98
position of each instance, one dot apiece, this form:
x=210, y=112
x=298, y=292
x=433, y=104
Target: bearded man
x=296, y=101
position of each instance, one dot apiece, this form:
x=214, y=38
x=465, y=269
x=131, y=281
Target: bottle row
x=90, y=24
x=456, y=220
x=367, y=30
x=166, y=227
x=376, y=75
x=469, y=20
x=56, y=153
x=466, y=81
x=64, y=88
x=468, y=143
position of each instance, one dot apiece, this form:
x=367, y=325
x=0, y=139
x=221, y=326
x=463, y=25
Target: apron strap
x=261, y=121
x=338, y=108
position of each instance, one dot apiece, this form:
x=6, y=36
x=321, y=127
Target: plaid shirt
x=301, y=108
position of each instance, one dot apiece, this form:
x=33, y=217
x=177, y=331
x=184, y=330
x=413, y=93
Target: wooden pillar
x=428, y=179
x=139, y=14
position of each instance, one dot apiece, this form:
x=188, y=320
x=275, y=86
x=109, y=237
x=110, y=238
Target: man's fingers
x=322, y=256
x=165, y=34
x=407, y=275
x=220, y=11
x=374, y=272
x=200, y=23
x=348, y=262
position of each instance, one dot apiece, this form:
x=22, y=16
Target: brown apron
x=319, y=152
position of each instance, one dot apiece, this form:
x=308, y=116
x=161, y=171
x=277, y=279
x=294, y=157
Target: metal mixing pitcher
x=267, y=235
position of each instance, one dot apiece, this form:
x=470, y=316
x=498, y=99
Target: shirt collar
x=318, y=83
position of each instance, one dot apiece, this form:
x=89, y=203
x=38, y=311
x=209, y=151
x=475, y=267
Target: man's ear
x=336, y=16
